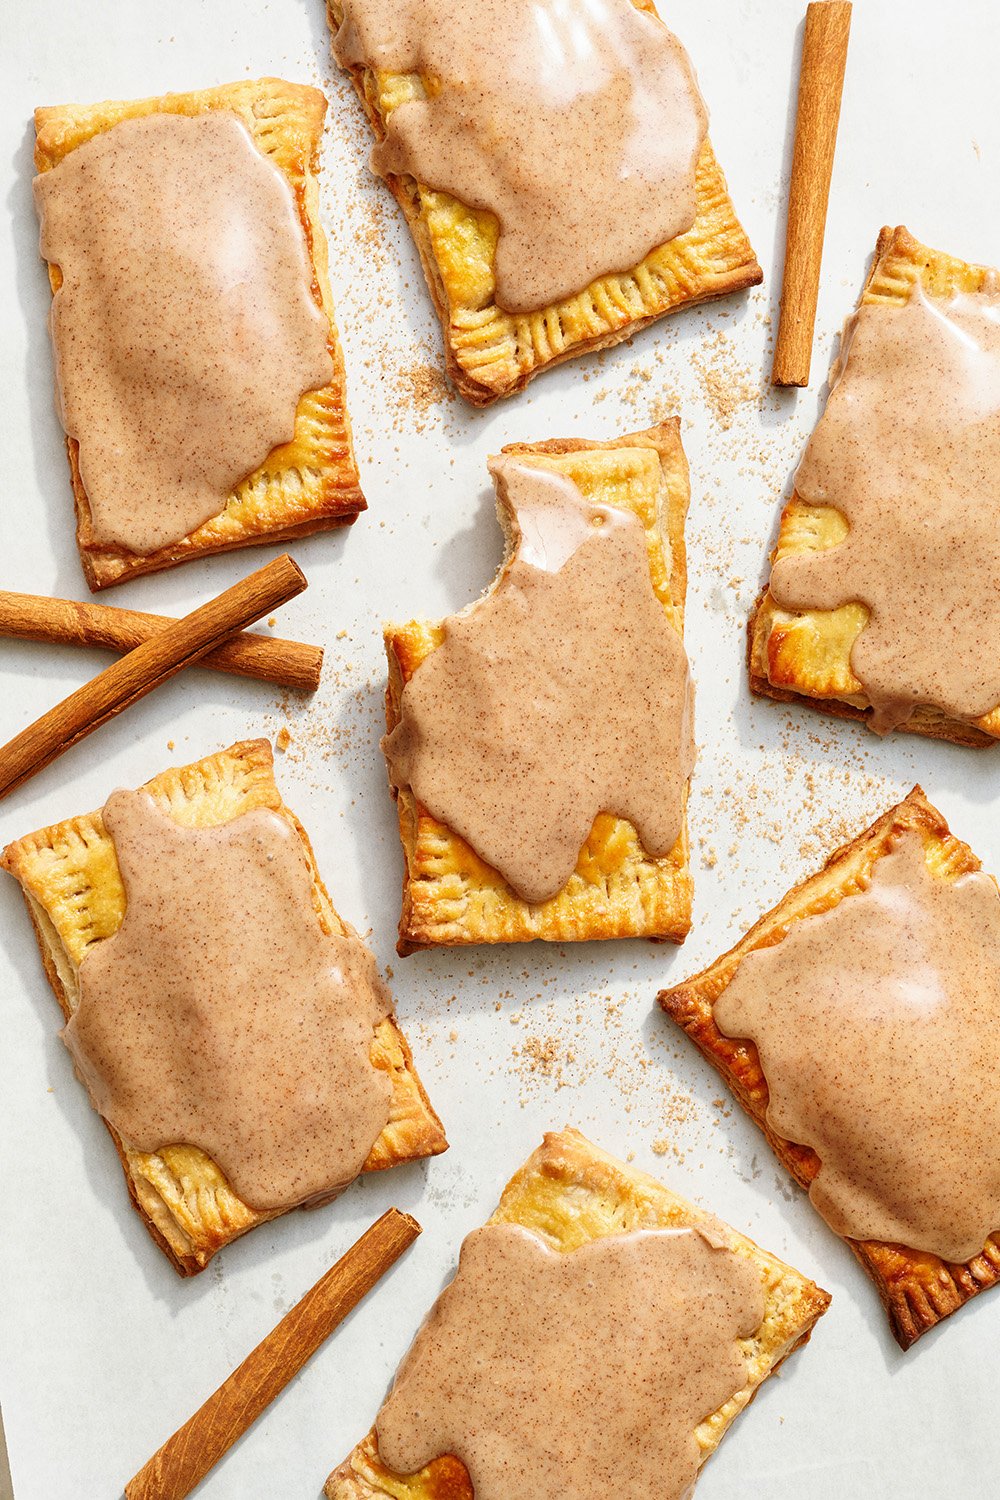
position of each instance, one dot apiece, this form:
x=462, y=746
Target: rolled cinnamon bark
x=821, y=86
x=186, y=1458
x=71, y=622
x=133, y=676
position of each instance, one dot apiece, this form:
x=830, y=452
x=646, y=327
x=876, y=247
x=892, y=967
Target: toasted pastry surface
x=310, y=484
x=570, y=1192
x=918, y=1290
x=491, y=353
x=805, y=657
x=450, y=896
x=71, y=882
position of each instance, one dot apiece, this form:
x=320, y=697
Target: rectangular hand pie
x=453, y=896
x=74, y=890
x=871, y=990
x=576, y=1200
x=809, y=654
x=492, y=351
x=307, y=484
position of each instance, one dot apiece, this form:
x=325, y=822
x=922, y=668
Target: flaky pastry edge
x=490, y=353
x=782, y=644
x=310, y=484
x=180, y=1194
x=917, y=1290
x=442, y=874
x=570, y=1192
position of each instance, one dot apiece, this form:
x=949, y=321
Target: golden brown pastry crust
x=450, y=895
x=569, y=1192
x=72, y=885
x=805, y=656
x=918, y=1290
x=491, y=353
x=310, y=484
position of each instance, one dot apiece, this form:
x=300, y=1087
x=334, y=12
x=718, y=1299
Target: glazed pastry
x=540, y=743
x=174, y=453
x=578, y=1240
x=561, y=190
x=858, y=1024
x=882, y=604
x=315, y=1083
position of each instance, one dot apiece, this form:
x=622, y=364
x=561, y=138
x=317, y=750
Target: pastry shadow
x=46, y=446
x=95, y=1158
x=805, y=734
x=446, y=984
x=777, y=266
x=468, y=560
x=93, y=1147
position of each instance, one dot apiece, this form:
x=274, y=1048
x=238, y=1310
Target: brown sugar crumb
x=660, y=1147
x=709, y=857
x=541, y=1055
x=725, y=385
x=544, y=1059
x=648, y=392
x=170, y=744
x=427, y=387
x=283, y=738
x=724, y=392
x=422, y=394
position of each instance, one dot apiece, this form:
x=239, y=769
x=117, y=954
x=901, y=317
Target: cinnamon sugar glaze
x=908, y=451
x=878, y=1028
x=222, y=1015
x=185, y=329
x=563, y=694
x=578, y=1374
x=578, y=123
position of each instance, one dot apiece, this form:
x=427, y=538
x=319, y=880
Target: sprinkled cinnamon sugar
x=727, y=382
x=424, y=387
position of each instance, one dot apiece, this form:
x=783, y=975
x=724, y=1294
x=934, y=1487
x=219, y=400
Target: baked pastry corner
x=805, y=656
x=310, y=484
x=491, y=353
x=71, y=883
x=569, y=1193
x=917, y=1289
x=452, y=897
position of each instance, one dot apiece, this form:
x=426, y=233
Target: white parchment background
x=103, y=1350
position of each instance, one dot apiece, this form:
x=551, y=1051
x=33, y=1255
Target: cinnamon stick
x=70, y=622
x=821, y=86
x=133, y=676
x=186, y=1458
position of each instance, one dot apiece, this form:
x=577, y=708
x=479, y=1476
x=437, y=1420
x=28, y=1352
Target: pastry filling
x=577, y=123
x=908, y=451
x=186, y=327
x=563, y=694
x=580, y=1374
x=221, y=1014
x=878, y=1028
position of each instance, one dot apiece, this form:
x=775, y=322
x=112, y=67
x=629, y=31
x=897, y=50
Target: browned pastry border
x=734, y=277
x=924, y=721
x=181, y=1196
x=764, y=636
x=452, y=897
x=310, y=484
x=917, y=1290
x=570, y=1192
